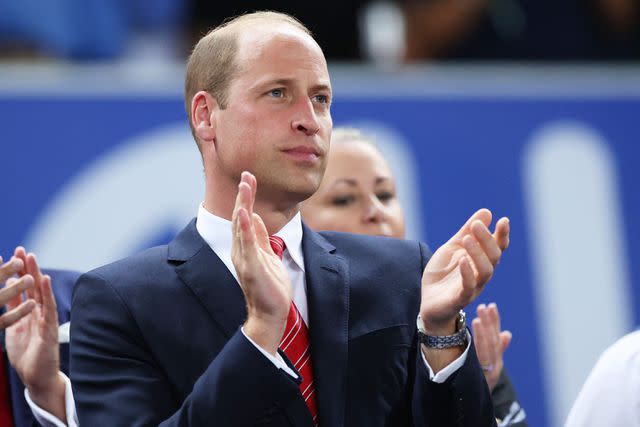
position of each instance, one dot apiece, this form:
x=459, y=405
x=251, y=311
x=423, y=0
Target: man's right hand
x=263, y=278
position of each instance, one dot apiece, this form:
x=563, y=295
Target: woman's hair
x=345, y=135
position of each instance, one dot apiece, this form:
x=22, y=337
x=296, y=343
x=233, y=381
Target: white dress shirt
x=611, y=395
x=48, y=420
x=217, y=233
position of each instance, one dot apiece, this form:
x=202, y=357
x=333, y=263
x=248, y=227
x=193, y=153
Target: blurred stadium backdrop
x=98, y=162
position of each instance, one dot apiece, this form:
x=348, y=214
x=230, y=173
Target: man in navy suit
x=197, y=333
x=32, y=341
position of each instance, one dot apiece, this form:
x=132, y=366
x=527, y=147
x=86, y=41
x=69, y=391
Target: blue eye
x=276, y=93
x=322, y=99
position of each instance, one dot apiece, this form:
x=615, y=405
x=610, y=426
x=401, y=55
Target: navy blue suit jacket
x=156, y=341
x=62, y=283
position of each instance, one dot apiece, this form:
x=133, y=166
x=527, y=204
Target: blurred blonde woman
x=358, y=195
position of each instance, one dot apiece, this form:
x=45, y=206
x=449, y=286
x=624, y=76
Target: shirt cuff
x=276, y=360
x=45, y=418
x=446, y=372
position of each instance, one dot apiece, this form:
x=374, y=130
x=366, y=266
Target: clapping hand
x=12, y=290
x=263, y=278
x=457, y=273
x=490, y=342
x=32, y=341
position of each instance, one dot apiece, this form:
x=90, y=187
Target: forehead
x=356, y=159
x=279, y=50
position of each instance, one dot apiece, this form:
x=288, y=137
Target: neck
x=274, y=215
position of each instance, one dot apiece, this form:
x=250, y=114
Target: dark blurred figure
x=572, y=30
x=334, y=23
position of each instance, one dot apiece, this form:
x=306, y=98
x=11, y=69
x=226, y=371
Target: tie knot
x=277, y=245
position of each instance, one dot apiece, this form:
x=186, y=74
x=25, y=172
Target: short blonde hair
x=212, y=63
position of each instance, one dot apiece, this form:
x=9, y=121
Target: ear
x=204, y=109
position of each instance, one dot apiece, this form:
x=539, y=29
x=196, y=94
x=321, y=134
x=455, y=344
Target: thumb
x=505, y=340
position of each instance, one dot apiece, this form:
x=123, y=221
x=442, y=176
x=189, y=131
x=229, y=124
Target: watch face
x=462, y=321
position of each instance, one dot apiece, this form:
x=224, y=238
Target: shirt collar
x=216, y=232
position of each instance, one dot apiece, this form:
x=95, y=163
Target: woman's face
x=357, y=194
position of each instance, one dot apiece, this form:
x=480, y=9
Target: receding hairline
x=234, y=26
x=247, y=28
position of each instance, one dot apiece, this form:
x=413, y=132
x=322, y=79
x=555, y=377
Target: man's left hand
x=458, y=271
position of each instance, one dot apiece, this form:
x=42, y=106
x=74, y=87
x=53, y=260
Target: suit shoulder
x=373, y=245
x=377, y=256
x=149, y=263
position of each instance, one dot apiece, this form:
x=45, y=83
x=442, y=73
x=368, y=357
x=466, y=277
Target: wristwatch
x=458, y=339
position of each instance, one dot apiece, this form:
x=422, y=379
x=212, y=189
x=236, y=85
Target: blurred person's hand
x=32, y=341
x=12, y=291
x=490, y=342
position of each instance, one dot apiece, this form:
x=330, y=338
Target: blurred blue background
x=94, y=174
x=98, y=161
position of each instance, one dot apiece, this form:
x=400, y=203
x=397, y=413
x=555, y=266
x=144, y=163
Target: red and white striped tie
x=295, y=344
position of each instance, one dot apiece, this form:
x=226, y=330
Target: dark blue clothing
x=156, y=341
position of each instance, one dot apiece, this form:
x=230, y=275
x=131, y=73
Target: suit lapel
x=209, y=279
x=327, y=293
x=328, y=297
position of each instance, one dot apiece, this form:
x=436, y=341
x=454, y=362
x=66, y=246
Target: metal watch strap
x=459, y=339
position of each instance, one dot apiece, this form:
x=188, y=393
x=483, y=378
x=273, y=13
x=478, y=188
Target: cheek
x=240, y=138
x=396, y=218
x=242, y=123
x=332, y=218
x=345, y=219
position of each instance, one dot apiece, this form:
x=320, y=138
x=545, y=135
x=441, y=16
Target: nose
x=374, y=211
x=305, y=119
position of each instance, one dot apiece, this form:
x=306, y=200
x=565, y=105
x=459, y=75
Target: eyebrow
x=289, y=82
x=273, y=82
x=321, y=88
x=349, y=181
x=353, y=182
